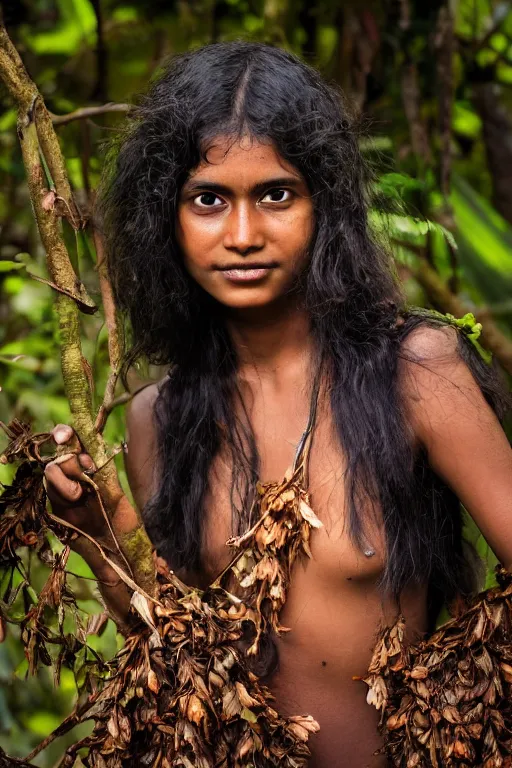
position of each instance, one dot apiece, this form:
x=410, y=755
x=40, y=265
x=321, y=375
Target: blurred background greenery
x=433, y=84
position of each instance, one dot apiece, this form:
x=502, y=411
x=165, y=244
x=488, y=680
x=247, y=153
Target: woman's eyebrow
x=261, y=186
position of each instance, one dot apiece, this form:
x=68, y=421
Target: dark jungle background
x=433, y=82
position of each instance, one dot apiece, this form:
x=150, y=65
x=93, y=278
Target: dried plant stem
x=41, y=154
x=122, y=575
x=412, y=99
x=70, y=722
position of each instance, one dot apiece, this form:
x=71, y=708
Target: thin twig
x=86, y=308
x=73, y=719
x=38, y=138
x=124, y=576
x=444, y=45
x=115, y=340
x=106, y=518
x=85, y=112
x=101, y=85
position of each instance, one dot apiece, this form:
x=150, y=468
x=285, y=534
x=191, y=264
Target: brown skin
x=333, y=607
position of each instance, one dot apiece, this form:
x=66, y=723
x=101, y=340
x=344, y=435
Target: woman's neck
x=270, y=339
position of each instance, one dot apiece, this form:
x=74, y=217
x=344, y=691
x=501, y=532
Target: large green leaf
x=485, y=243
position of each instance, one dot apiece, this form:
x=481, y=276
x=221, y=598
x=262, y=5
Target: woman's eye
x=278, y=195
x=207, y=199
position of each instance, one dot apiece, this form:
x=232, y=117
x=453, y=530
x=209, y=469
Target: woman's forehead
x=225, y=155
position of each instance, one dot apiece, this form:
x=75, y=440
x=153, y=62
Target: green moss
x=139, y=553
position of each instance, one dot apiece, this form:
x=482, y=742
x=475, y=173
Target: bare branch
x=115, y=341
x=85, y=112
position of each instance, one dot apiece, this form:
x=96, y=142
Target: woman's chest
x=336, y=558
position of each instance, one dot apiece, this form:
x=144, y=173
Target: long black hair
x=349, y=287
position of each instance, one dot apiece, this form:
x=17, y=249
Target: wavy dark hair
x=350, y=291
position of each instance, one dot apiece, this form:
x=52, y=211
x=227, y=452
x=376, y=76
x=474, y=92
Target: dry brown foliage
x=447, y=701
x=25, y=524
x=181, y=691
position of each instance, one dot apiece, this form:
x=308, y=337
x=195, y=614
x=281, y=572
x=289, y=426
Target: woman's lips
x=246, y=274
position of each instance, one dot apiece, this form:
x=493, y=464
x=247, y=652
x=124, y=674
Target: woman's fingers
x=76, y=462
x=65, y=436
x=74, y=465
x=59, y=484
x=61, y=433
x=69, y=490
x=85, y=461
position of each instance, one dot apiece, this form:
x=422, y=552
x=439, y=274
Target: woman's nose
x=244, y=232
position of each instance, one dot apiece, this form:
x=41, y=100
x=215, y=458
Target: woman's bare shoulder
x=140, y=407
x=141, y=453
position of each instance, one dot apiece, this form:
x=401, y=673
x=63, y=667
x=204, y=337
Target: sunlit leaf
x=77, y=25
x=485, y=242
x=9, y=266
x=466, y=122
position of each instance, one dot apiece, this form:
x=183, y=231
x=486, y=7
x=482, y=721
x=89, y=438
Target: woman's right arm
x=71, y=498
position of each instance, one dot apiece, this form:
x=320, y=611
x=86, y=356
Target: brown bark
x=115, y=341
x=444, y=45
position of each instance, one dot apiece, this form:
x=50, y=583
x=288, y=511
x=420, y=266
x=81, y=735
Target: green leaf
x=499, y=42
x=485, y=242
x=327, y=38
x=124, y=14
x=466, y=122
x=8, y=120
x=77, y=25
x=8, y=266
x=504, y=73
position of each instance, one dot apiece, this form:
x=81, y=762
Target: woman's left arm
x=466, y=444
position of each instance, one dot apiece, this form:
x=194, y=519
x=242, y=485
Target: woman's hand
x=75, y=501
x=72, y=498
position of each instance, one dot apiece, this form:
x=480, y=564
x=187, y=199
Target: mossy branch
x=441, y=296
x=52, y=200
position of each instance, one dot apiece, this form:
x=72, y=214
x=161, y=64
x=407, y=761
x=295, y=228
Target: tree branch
x=444, y=44
x=443, y=299
x=85, y=112
x=26, y=96
x=115, y=341
x=38, y=142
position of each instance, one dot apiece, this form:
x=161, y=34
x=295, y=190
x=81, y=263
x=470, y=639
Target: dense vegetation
x=432, y=83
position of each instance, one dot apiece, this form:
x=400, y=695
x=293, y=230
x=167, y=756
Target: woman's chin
x=250, y=299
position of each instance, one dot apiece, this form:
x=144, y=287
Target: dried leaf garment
x=182, y=692
x=446, y=702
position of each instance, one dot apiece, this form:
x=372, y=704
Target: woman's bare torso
x=333, y=610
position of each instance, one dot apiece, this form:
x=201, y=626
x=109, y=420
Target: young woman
x=235, y=223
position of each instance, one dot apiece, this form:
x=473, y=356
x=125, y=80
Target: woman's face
x=244, y=224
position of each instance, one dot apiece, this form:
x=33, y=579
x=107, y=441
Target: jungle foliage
x=432, y=84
